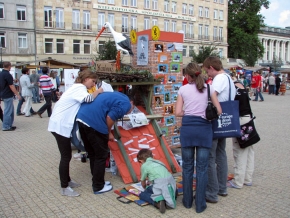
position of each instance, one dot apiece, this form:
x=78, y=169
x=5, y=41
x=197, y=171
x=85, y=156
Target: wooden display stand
x=165, y=62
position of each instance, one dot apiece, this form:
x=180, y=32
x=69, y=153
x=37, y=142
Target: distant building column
x=277, y=50
x=271, y=50
x=288, y=51
x=283, y=58
x=265, y=49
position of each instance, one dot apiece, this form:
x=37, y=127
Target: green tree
x=244, y=24
x=203, y=53
x=108, y=51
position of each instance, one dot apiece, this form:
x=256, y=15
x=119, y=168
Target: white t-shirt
x=221, y=85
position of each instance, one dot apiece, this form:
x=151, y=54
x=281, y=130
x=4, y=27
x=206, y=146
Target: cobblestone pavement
x=30, y=184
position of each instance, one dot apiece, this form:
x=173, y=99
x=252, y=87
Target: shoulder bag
x=228, y=123
x=249, y=135
x=211, y=111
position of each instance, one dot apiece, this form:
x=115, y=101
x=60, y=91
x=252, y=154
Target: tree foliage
x=244, y=24
x=203, y=53
x=108, y=51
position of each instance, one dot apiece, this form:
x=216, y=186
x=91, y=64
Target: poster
x=142, y=50
x=69, y=77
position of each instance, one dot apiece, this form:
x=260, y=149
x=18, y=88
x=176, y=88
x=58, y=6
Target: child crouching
x=162, y=188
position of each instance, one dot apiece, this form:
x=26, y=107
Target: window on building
x=191, y=10
x=22, y=40
x=173, y=26
x=21, y=13
x=101, y=20
x=214, y=0
x=76, y=19
x=190, y=31
x=200, y=31
x=87, y=46
x=146, y=23
x=147, y=4
x=1, y=11
x=111, y=1
x=221, y=52
x=133, y=23
x=173, y=6
x=200, y=9
x=215, y=14
x=101, y=46
x=166, y=25
x=101, y=1
x=59, y=18
x=206, y=32
x=125, y=23
x=221, y=15
x=220, y=34
x=60, y=46
x=76, y=46
x=154, y=22
x=125, y=2
x=184, y=28
x=166, y=6
x=184, y=51
x=191, y=50
x=133, y=3
x=86, y=20
x=48, y=46
x=221, y=1
x=215, y=33
x=111, y=20
x=47, y=17
x=2, y=40
x=184, y=7
x=206, y=12
x=154, y=5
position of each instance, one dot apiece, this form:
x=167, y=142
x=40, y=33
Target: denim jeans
x=8, y=115
x=146, y=195
x=64, y=146
x=96, y=144
x=35, y=92
x=20, y=103
x=202, y=155
x=259, y=94
x=217, y=170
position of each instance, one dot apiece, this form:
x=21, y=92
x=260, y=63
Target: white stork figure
x=122, y=41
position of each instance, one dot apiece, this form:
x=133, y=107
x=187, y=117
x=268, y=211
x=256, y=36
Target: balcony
x=76, y=26
x=189, y=35
x=87, y=27
x=125, y=29
x=215, y=38
x=206, y=37
x=47, y=24
x=59, y=25
x=200, y=37
x=220, y=39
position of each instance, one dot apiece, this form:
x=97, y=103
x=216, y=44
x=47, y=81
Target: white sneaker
x=107, y=183
x=68, y=192
x=77, y=155
x=73, y=184
x=105, y=189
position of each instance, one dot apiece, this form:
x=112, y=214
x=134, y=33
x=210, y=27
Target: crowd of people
x=95, y=111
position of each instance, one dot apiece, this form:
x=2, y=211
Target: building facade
x=66, y=29
x=17, y=30
x=276, y=42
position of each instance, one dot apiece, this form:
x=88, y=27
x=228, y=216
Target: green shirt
x=153, y=169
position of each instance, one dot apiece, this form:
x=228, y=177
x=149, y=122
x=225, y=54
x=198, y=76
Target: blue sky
x=278, y=13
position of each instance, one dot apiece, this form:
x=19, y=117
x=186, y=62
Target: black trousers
x=96, y=144
x=64, y=146
x=277, y=89
x=46, y=106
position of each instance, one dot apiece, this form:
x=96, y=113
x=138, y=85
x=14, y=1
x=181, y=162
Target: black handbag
x=249, y=134
x=211, y=111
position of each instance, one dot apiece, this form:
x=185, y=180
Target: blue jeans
x=202, y=155
x=146, y=195
x=258, y=93
x=217, y=170
x=20, y=103
x=8, y=115
x=35, y=92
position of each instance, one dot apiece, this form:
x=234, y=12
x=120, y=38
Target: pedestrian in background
x=271, y=84
x=277, y=83
x=34, y=78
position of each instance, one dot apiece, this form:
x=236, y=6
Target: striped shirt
x=46, y=85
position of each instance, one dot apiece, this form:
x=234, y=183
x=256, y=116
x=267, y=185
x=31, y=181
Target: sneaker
x=248, y=184
x=105, y=189
x=231, y=184
x=77, y=155
x=107, y=183
x=73, y=184
x=68, y=192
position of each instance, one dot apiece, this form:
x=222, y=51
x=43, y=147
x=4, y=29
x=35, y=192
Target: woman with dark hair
x=195, y=134
x=62, y=120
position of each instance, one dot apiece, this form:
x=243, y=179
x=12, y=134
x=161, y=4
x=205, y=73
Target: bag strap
x=229, y=86
x=208, y=93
